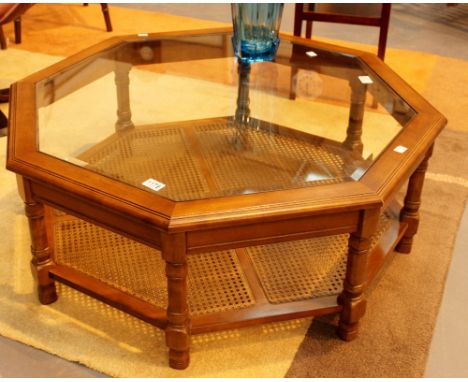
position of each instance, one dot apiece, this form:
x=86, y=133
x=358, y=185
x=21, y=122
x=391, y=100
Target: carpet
x=402, y=309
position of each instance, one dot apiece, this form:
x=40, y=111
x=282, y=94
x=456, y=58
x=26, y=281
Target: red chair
x=308, y=13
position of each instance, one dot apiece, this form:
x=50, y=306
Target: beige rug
x=398, y=325
x=402, y=308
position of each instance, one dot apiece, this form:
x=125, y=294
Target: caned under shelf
x=226, y=289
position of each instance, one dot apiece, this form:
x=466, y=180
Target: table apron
x=115, y=221
x=244, y=235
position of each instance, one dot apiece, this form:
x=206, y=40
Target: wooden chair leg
x=385, y=20
x=298, y=19
x=17, y=24
x=3, y=43
x=308, y=32
x=105, y=12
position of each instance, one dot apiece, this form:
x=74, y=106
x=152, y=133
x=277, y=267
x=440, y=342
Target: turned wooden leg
x=178, y=319
x=352, y=298
x=122, y=82
x=41, y=254
x=353, y=140
x=410, y=211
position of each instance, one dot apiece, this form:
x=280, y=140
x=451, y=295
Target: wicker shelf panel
x=300, y=270
x=162, y=154
x=304, y=269
x=265, y=160
x=214, y=158
x=287, y=271
x=215, y=280
x=217, y=283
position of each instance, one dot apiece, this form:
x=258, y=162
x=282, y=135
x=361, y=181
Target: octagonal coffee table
x=198, y=194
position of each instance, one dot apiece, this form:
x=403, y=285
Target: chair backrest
x=307, y=12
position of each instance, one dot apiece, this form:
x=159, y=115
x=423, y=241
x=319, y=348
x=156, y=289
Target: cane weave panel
x=304, y=269
x=215, y=280
x=287, y=271
x=264, y=159
x=161, y=154
x=219, y=158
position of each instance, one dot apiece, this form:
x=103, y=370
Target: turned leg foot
x=46, y=290
x=47, y=294
x=353, y=310
x=178, y=341
x=352, y=298
x=405, y=244
x=179, y=359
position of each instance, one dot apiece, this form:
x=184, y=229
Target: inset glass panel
x=180, y=117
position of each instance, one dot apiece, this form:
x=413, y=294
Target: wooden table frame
x=180, y=229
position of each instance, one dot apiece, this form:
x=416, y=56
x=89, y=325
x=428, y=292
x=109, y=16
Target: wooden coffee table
x=196, y=194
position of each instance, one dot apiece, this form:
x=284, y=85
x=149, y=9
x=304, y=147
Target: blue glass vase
x=256, y=28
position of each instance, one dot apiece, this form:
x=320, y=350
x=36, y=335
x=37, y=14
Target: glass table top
x=179, y=117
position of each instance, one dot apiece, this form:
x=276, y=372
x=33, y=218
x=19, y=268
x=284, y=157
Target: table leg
x=353, y=140
x=178, y=318
x=41, y=253
x=352, y=298
x=410, y=211
x=122, y=82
